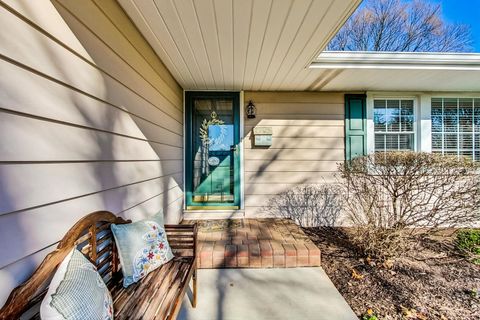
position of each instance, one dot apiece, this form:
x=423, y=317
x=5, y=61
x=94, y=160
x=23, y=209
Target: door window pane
x=214, y=144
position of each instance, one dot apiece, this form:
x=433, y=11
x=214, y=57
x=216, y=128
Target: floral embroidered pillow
x=77, y=292
x=142, y=247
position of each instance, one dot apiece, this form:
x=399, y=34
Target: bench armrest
x=182, y=238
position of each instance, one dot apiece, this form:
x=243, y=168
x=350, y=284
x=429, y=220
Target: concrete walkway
x=243, y=294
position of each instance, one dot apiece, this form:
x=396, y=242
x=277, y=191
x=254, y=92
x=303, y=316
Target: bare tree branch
x=396, y=25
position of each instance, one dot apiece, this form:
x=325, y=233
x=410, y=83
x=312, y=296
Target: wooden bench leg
x=194, y=301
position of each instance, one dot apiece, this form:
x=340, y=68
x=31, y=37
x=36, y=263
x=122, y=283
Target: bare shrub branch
x=389, y=196
x=308, y=205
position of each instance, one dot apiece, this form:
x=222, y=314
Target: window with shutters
x=456, y=127
x=394, y=121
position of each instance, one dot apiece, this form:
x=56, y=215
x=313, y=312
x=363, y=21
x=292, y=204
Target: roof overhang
x=395, y=60
x=393, y=71
x=276, y=45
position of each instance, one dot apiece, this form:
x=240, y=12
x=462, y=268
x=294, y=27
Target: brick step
x=254, y=243
x=257, y=254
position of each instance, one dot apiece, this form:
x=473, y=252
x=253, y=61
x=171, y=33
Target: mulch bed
x=431, y=282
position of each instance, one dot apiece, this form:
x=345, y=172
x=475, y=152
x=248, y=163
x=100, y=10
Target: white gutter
x=397, y=60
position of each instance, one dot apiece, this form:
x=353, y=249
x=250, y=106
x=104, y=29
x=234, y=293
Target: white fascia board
x=396, y=60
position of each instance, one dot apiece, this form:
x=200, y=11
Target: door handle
x=233, y=148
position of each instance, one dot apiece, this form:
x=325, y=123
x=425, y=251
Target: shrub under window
x=390, y=195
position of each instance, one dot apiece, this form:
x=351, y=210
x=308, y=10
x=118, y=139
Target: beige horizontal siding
x=276, y=165
x=58, y=217
x=294, y=154
x=307, y=147
x=105, y=64
x=298, y=120
x=96, y=15
x=296, y=177
x=18, y=129
x=92, y=79
x=258, y=189
x=305, y=143
x=298, y=131
x=65, y=181
x=137, y=200
x=306, y=109
x=52, y=101
x=90, y=119
x=326, y=119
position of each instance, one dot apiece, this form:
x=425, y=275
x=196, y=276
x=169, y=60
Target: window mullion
x=443, y=127
x=458, y=128
x=473, y=131
x=386, y=127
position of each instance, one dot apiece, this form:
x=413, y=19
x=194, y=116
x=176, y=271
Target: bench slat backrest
x=93, y=237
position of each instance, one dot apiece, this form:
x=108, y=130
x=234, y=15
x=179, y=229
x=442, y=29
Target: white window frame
x=474, y=132
x=422, y=117
x=371, y=125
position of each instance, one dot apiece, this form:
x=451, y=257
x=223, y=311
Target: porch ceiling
x=240, y=44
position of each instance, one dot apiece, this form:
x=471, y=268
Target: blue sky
x=464, y=11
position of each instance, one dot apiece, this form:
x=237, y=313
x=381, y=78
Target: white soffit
x=240, y=44
x=391, y=71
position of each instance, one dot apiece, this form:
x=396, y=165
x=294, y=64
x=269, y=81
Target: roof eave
x=396, y=60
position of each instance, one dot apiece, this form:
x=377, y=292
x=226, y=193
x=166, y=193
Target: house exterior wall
x=308, y=139
x=307, y=145
x=90, y=119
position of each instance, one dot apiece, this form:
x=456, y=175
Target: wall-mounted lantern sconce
x=251, y=110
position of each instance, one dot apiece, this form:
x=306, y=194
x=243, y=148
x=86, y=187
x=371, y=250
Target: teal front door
x=212, y=153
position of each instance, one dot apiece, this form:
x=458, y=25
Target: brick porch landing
x=254, y=243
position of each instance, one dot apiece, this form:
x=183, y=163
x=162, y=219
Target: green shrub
x=369, y=315
x=469, y=241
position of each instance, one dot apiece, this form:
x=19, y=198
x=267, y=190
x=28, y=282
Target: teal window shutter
x=355, y=126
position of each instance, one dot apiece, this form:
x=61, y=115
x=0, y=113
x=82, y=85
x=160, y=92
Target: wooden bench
x=158, y=296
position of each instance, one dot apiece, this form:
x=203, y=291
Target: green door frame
x=189, y=98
